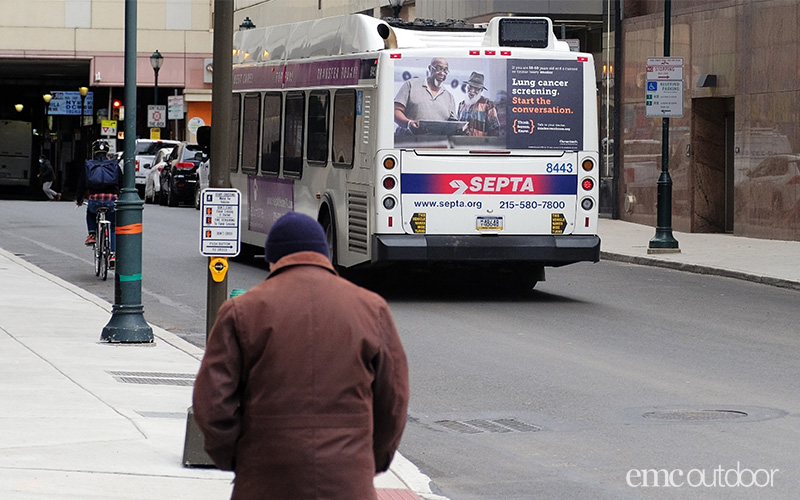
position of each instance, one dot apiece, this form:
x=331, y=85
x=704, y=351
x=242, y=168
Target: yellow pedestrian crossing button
x=218, y=267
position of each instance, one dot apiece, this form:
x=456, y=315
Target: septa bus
x=498, y=170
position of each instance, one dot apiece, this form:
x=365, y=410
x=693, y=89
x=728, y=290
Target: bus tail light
x=587, y=204
x=587, y=165
x=587, y=184
x=389, y=202
x=389, y=162
x=389, y=182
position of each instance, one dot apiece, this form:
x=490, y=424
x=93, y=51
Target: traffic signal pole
x=127, y=324
x=219, y=168
x=217, y=291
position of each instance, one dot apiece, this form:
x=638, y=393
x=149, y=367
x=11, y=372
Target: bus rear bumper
x=548, y=250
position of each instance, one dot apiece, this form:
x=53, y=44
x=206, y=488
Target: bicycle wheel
x=97, y=257
x=105, y=249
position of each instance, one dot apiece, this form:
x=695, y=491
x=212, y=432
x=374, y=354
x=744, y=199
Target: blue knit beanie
x=294, y=232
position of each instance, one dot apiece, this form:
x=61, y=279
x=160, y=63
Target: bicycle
x=102, y=245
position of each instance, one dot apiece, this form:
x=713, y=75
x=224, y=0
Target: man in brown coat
x=303, y=388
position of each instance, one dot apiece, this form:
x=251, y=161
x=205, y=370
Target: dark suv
x=179, y=177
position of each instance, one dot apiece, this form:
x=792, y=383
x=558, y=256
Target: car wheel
x=162, y=196
x=172, y=197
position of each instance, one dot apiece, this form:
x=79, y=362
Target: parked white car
x=202, y=181
x=146, y=150
x=152, y=185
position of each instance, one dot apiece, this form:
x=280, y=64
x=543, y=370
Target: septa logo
x=459, y=186
x=490, y=184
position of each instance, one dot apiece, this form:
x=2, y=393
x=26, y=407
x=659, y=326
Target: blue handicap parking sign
x=652, y=86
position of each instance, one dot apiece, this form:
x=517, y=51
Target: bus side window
x=237, y=98
x=250, y=133
x=344, y=128
x=271, y=139
x=317, y=145
x=293, y=135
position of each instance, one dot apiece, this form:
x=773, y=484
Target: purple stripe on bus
x=334, y=73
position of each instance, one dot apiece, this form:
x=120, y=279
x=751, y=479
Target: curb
x=700, y=269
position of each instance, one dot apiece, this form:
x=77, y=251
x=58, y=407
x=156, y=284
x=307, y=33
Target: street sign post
x=219, y=226
x=664, y=91
x=156, y=115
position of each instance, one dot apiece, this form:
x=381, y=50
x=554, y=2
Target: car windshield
x=191, y=150
x=148, y=147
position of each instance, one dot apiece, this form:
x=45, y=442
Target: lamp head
x=83, y=91
x=47, y=98
x=156, y=60
x=18, y=107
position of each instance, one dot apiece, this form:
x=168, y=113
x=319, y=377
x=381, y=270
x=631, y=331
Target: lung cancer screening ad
x=462, y=103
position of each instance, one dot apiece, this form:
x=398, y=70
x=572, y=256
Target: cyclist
x=100, y=191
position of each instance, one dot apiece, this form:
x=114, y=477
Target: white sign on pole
x=175, y=103
x=156, y=115
x=219, y=224
x=664, y=68
x=664, y=91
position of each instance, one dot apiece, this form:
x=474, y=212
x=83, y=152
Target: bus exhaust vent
x=357, y=221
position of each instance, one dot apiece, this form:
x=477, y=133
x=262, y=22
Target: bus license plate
x=489, y=224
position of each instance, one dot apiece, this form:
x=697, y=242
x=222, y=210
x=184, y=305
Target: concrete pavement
x=83, y=419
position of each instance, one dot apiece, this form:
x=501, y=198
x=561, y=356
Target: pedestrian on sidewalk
x=46, y=176
x=303, y=388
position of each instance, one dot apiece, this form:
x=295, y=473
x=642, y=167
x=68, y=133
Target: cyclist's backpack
x=102, y=175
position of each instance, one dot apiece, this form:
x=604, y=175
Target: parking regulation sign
x=664, y=93
x=219, y=224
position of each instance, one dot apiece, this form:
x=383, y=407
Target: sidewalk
x=771, y=262
x=84, y=419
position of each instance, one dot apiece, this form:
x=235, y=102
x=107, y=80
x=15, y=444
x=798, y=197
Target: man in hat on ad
x=478, y=111
x=303, y=388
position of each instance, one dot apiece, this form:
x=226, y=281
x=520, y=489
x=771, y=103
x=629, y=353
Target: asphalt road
x=604, y=381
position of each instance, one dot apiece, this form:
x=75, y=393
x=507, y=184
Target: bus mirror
x=204, y=137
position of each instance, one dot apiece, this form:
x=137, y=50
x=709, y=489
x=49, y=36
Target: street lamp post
x=397, y=6
x=156, y=60
x=127, y=324
x=47, y=98
x=83, y=91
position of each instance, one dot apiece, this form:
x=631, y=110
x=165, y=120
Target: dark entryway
x=711, y=172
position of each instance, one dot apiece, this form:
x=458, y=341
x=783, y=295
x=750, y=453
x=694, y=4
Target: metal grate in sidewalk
x=153, y=378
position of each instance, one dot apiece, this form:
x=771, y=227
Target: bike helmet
x=99, y=146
